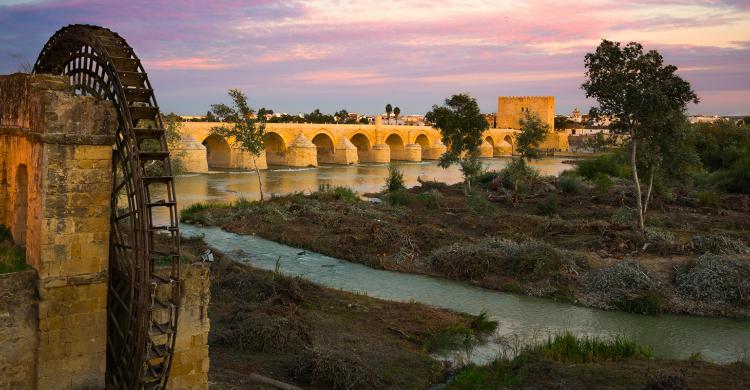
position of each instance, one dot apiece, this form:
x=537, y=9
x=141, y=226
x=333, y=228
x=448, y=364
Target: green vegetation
x=12, y=258
x=611, y=164
x=718, y=244
x=646, y=101
x=519, y=177
x=533, y=131
x=570, y=184
x=462, y=124
x=431, y=199
x=533, y=363
x=708, y=199
x=548, y=206
x=395, y=179
x=247, y=131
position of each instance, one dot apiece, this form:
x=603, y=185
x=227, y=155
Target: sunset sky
x=295, y=56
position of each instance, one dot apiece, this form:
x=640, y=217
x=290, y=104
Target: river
x=717, y=339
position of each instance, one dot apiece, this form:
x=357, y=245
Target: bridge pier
x=345, y=153
x=435, y=151
x=380, y=153
x=302, y=153
x=413, y=152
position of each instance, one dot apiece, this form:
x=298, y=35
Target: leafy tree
x=533, y=131
x=462, y=124
x=364, y=120
x=247, y=131
x=388, y=110
x=210, y=117
x=645, y=101
x=396, y=113
x=746, y=120
x=562, y=122
x=262, y=112
x=341, y=116
x=318, y=117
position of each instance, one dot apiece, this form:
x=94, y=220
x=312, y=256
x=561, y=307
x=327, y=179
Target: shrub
x=718, y=244
x=532, y=260
x=628, y=286
x=478, y=204
x=395, y=179
x=336, y=369
x=708, y=199
x=548, y=206
x=602, y=182
x=714, y=279
x=518, y=176
x=431, y=199
x=400, y=197
x=12, y=258
x=338, y=193
x=623, y=216
x=571, y=349
x=608, y=164
x=486, y=177
x=570, y=184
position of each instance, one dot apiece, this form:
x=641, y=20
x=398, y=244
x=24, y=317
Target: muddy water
x=231, y=185
x=528, y=318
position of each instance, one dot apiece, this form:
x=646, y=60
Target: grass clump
x=602, y=182
x=195, y=213
x=708, y=199
x=571, y=349
x=714, y=279
x=607, y=165
x=431, y=199
x=519, y=176
x=334, y=369
x=718, y=244
x=12, y=258
x=627, y=286
x=395, y=179
x=624, y=216
x=478, y=204
x=486, y=177
x=400, y=197
x=548, y=206
x=326, y=192
x=570, y=184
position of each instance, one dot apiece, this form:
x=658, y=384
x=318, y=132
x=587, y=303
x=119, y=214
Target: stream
x=524, y=318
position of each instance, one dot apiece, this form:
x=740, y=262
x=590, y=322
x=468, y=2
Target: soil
x=433, y=216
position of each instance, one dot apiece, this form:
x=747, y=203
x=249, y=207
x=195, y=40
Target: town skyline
x=304, y=55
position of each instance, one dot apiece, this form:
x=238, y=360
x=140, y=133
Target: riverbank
x=575, y=245
x=310, y=336
x=300, y=333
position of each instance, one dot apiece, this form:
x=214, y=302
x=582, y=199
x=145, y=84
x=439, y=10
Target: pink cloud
x=188, y=63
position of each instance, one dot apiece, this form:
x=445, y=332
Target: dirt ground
x=402, y=234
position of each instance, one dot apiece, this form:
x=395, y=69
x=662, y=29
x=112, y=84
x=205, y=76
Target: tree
x=341, y=116
x=462, y=124
x=210, y=117
x=388, y=110
x=645, y=101
x=246, y=131
x=533, y=131
x=396, y=113
x=262, y=112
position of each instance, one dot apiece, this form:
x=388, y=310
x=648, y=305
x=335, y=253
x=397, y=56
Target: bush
x=548, y=206
x=718, y=244
x=531, y=260
x=570, y=184
x=602, y=182
x=608, y=164
x=431, y=199
x=627, y=286
x=571, y=349
x=338, y=193
x=486, y=177
x=708, y=199
x=478, y=204
x=400, y=197
x=624, y=215
x=12, y=258
x=714, y=279
x=395, y=179
x=518, y=176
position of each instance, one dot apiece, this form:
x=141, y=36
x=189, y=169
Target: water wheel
x=142, y=305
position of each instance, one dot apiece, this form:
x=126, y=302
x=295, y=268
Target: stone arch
x=324, y=145
x=490, y=140
x=509, y=140
x=424, y=142
x=20, y=205
x=275, y=148
x=363, y=144
x=396, y=143
x=218, y=152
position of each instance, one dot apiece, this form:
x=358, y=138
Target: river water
x=717, y=339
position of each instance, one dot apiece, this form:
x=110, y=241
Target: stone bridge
x=303, y=145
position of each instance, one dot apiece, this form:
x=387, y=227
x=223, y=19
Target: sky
x=298, y=55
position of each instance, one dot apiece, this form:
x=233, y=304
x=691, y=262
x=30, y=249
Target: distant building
x=704, y=118
x=490, y=118
x=576, y=116
x=510, y=110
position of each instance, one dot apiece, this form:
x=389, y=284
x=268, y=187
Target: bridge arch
x=396, y=144
x=424, y=142
x=218, y=152
x=324, y=145
x=363, y=144
x=275, y=148
x=509, y=140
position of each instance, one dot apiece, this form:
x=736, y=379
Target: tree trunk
x=648, y=193
x=257, y=173
x=639, y=201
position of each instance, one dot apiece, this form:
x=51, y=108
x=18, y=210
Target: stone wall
x=18, y=330
x=62, y=144
x=190, y=363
